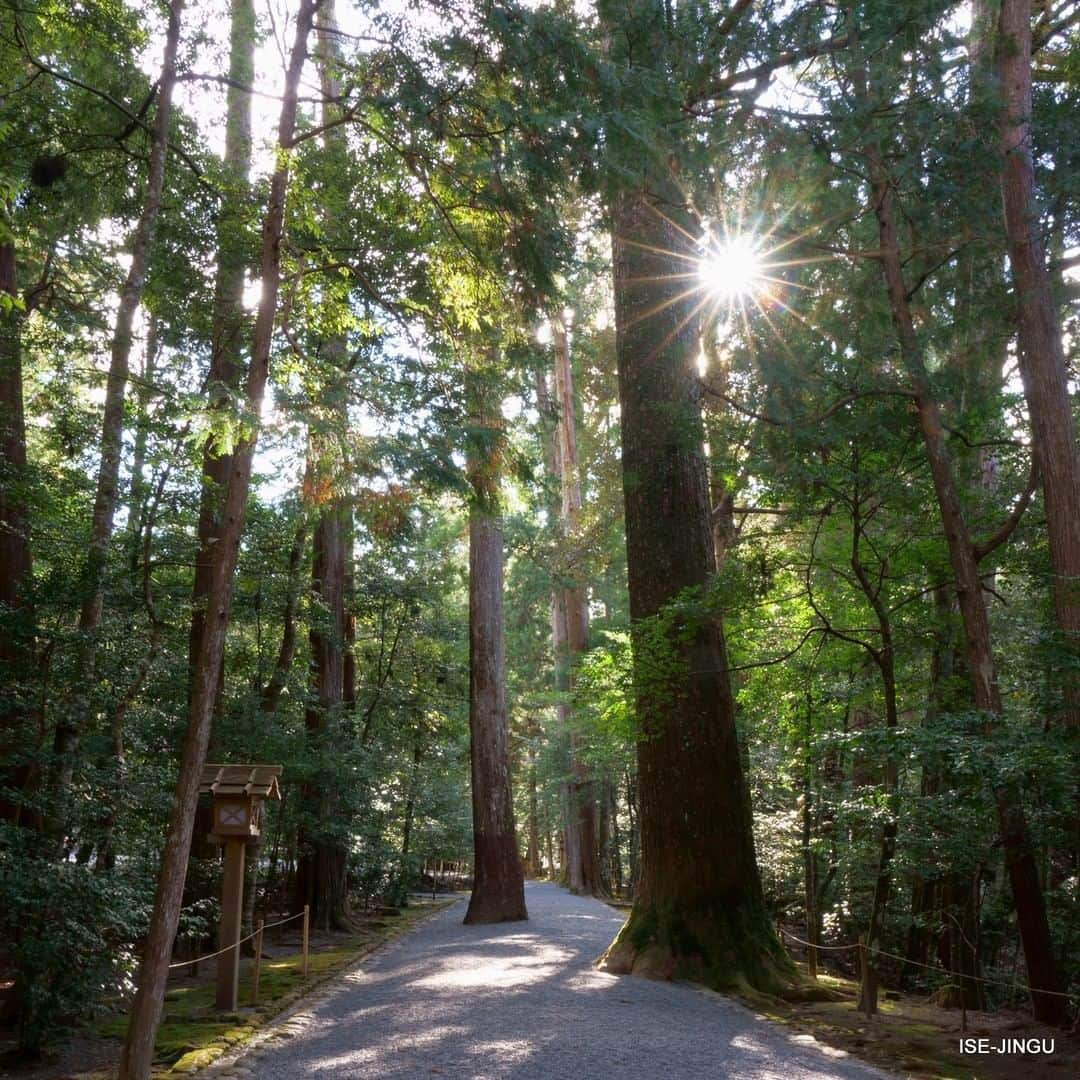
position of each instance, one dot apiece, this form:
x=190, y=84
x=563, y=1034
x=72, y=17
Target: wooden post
x=307, y=925
x=232, y=906
x=868, y=980
x=258, y=964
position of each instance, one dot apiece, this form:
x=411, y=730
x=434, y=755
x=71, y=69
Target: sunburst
x=734, y=270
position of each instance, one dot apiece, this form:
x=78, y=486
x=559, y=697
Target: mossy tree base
x=714, y=946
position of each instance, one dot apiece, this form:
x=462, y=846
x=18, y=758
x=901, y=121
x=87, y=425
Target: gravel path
x=521, y=1000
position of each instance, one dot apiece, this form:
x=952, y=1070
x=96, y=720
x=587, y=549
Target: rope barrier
x=810, y=945
x=229, y=948
x=928, y=967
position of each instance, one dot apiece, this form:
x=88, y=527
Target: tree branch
x=1007, y=528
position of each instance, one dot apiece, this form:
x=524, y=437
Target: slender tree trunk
x=1016, y=841
x=616, y=840
x=699, y=911
x=225, y=377
x=146, y=1010
x=570, y=869
x=809, y=855
x=583, y=869
x=73, y=720
x=18, y=737
x=533, y=857
x=16, y=564
x=144, y=394
x=499, y=886
x=883, y=656
x=1041, y=353
x=275, y=685
x=634, y=839
x=321, y=878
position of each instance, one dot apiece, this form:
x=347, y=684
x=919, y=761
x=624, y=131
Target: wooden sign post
x=238, y=792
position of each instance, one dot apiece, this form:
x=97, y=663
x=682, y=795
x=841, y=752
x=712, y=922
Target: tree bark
x=16, y=564
x=321, y=873
x=146, y=1010
x=17, y=619
x=137, y=490
x=572, y=632
x=699, y=911
x=1041, y=353
x=498, y=893
x=224, y=379
x=270, y=694
x=322, y=870
x=73, y=720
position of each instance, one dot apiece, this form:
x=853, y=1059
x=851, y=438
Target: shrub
x=68, y=935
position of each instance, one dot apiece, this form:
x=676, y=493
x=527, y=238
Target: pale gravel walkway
x=522, y=1001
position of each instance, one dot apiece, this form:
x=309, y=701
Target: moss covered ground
x=914, y=1038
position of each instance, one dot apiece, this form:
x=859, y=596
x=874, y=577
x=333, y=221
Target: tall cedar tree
x=964, y=558
x=146, y=1010
x=699, y=911
x=223, y=381
x=499, y=882
x=1041, y=353
x=322, y=863
x=570, y=631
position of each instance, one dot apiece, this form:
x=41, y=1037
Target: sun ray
x=660, y=251
x=739, y=272
x=663, y=305
x=693, y=240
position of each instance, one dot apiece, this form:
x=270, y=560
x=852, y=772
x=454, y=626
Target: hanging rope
x=929, y=967
x=229, y=948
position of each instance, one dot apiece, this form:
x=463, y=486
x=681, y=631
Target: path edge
x=218, y=1058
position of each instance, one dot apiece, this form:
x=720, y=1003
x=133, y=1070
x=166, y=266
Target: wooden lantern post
x=238, y=792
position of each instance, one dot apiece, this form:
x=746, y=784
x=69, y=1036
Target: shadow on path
x=522, y=1001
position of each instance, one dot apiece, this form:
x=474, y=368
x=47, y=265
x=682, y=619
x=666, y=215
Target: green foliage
x=68, y=934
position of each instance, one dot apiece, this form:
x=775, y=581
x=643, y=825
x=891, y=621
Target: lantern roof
x=258, y=780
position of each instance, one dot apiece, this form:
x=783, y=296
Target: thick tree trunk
x=146, y=1010
x=1041, y=353
x=699, y=910
x=498, y=893
x=223, y=381
x=73, y=720
x=1015, y=838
